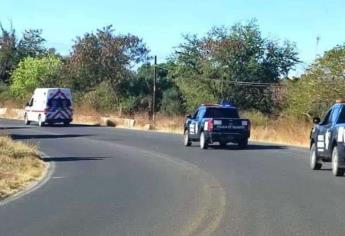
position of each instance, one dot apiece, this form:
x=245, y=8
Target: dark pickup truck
x=216, y=123
x=327, y=140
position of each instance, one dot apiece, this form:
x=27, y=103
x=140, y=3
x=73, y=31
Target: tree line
x=110, y=71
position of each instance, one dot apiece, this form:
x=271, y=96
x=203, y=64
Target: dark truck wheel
x=314, y=158
x=186, y=140
x=336, y=170
x=243, y=143
x=222, y=144
x=203, y=141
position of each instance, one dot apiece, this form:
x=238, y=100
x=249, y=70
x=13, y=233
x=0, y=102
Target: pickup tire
x=186, y=140
x=26, y=119
x=314, y=158
x=243, y=143
x=222, y=144
x=336, y=170
x=203, y=141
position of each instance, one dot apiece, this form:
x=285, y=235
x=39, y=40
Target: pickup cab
x=216, y=124
x=327, y=140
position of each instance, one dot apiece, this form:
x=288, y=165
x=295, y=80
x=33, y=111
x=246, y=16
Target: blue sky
x=161, y=23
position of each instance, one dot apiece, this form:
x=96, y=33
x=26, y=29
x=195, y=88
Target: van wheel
x=314, y=159
x=186, y=140
x=40, y=123
x=26, y=120
x=336, y=170
x=203, y=141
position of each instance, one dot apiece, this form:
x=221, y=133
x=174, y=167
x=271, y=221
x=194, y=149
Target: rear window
x=221, y=113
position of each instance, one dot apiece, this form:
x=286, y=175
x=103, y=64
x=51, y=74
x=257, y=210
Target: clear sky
x=161, y=22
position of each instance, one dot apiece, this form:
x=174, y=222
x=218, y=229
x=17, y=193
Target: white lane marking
x=321, y=138
x=58, y=177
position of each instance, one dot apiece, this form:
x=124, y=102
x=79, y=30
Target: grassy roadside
x=19, y=165
x=282, y=130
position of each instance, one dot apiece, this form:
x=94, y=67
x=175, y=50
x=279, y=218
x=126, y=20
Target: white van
x=49, y=106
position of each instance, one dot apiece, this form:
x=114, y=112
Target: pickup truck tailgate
x=228, y=125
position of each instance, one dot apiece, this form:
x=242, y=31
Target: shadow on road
x=18, y=127
x=46, y=136
x=73, y=125
x=67, y=159
x=250, y=147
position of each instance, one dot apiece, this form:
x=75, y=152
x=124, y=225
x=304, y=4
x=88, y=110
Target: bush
x=101, y=99
x=171, y=102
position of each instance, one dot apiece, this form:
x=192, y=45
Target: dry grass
x=19, y=165
x=283, y=130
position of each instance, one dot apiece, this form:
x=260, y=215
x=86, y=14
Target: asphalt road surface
x=123, y=182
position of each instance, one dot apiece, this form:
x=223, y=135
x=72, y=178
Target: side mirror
x=27, y=104
x=316, y=120
x=189, y=116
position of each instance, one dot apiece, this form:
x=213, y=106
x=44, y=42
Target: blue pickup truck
x=216, y=124
x=327, y=140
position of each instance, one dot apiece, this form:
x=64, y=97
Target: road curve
x=124, y=182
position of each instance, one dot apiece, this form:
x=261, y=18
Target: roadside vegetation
x=19, y=165
x=112, y=73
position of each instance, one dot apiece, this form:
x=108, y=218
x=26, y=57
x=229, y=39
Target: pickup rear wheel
x=314, y=158
x=186, y=140
x=203, y=141
x=336, y=170
x=243, y=143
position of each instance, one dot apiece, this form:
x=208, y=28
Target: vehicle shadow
x=46, y=136
x=73, y=125
x=15, y=127
x=69, y=159
x=249, y=147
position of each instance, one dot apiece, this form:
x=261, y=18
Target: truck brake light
x=209, y=125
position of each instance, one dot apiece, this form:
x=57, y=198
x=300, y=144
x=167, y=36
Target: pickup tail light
x=209, y=125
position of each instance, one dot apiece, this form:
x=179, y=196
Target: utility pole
x=154, y=90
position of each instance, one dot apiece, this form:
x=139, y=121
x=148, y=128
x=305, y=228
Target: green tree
x=104, y=57
x=172, y=102
x=8, y=58
x=31, y=44
x=227, y=56
x=35, y=72
x=320, y=86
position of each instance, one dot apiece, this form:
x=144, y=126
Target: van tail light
x=209, y=125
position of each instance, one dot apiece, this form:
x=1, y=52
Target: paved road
x=119, y=182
